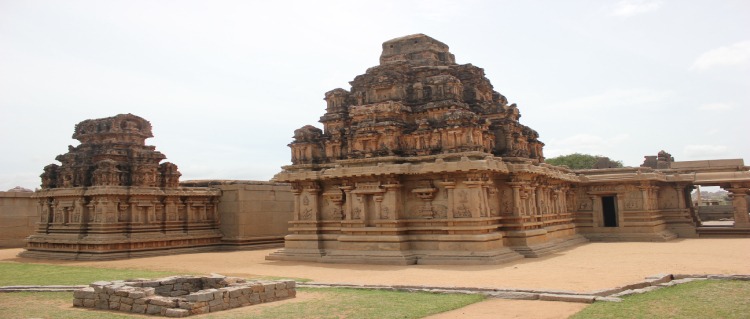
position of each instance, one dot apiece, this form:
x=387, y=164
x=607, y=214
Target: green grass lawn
x=311, y=302
x=324, y=303
x=12, y=274
x=697, y=299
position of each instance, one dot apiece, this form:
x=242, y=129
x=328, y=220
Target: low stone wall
x=716, y=212
x=181, y=296
x=18, y=218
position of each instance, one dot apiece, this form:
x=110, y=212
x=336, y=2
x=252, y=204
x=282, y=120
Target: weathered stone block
x=200, y=310
x=77, y=302
x=138, y=308
x=233, y=292
x=282, y=293
x=200, y=296
x=176, y=313
x=102, y=304
x=126, y=307
x=153, y=309
x=89, y=303
x=136, y=294
x=216, y=302
x=85, y=293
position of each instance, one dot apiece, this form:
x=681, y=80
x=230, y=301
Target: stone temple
x=421, y=161
x=111, y=198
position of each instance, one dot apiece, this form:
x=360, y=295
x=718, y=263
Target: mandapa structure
x=111, y=198
x=423, y=162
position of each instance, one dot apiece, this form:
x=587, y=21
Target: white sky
x=225, y=83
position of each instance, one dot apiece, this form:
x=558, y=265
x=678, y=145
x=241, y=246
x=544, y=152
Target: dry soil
x=583, y=268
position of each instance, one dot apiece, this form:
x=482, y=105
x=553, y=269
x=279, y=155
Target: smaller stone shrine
x=181, y=296
x=111, y=198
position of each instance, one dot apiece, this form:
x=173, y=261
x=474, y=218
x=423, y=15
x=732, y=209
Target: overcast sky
x=225, y=83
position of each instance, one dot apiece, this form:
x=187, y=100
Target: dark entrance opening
x=609, y=210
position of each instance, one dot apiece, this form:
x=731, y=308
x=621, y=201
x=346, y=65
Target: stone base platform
x=664, y=235
x=181, y=296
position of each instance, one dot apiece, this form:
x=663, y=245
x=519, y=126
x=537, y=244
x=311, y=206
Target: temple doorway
x=609, y=210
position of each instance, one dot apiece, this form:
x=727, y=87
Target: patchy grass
x=363, y=303
x=325, y=303
x=12, y=274
x=311, y=302
x=697, y=299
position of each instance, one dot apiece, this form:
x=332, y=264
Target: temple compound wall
x=18, y=217
x=254, y=214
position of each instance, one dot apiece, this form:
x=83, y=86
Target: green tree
x=583, y=161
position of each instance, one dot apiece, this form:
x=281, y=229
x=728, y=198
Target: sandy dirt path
x=583, y=268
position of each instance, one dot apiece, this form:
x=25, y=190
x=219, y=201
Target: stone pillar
x=296, y=192
x=644, y=197
x=377, y=214
x=596, y=208
x=516, y=199
x=739, y=201
x=450, y=186
x=533, y=205
x=347, y=201
x=392, y=200
x=680, y=190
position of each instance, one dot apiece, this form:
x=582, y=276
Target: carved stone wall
x=111, y=198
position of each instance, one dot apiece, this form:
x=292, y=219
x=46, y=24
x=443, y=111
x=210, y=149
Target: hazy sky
x=225, y=83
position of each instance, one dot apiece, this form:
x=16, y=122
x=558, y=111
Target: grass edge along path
x=696, y=299
x=325, y=303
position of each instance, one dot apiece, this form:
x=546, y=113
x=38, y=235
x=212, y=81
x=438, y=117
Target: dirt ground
x=583, y=268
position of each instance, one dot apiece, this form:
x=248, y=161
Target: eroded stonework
x=111, y=198
x=181, y=296
x=408, y=169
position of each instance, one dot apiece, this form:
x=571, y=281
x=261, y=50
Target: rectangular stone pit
x=181, y=296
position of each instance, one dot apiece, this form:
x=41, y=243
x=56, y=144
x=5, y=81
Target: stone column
x=533, y=205
x=347, y=201
x=596, y=208
x=644, y=197
x=516, y=198
x=296, y=192
x=739, y=201
x=680, y=189
x=450, y=186
x=392, y=200
x=377, y=214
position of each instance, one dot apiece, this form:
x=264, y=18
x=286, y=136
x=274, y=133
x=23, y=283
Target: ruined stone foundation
x=422, y=162
x=111, y=198
x=181, y=296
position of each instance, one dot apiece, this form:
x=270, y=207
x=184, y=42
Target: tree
x=583, y=161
